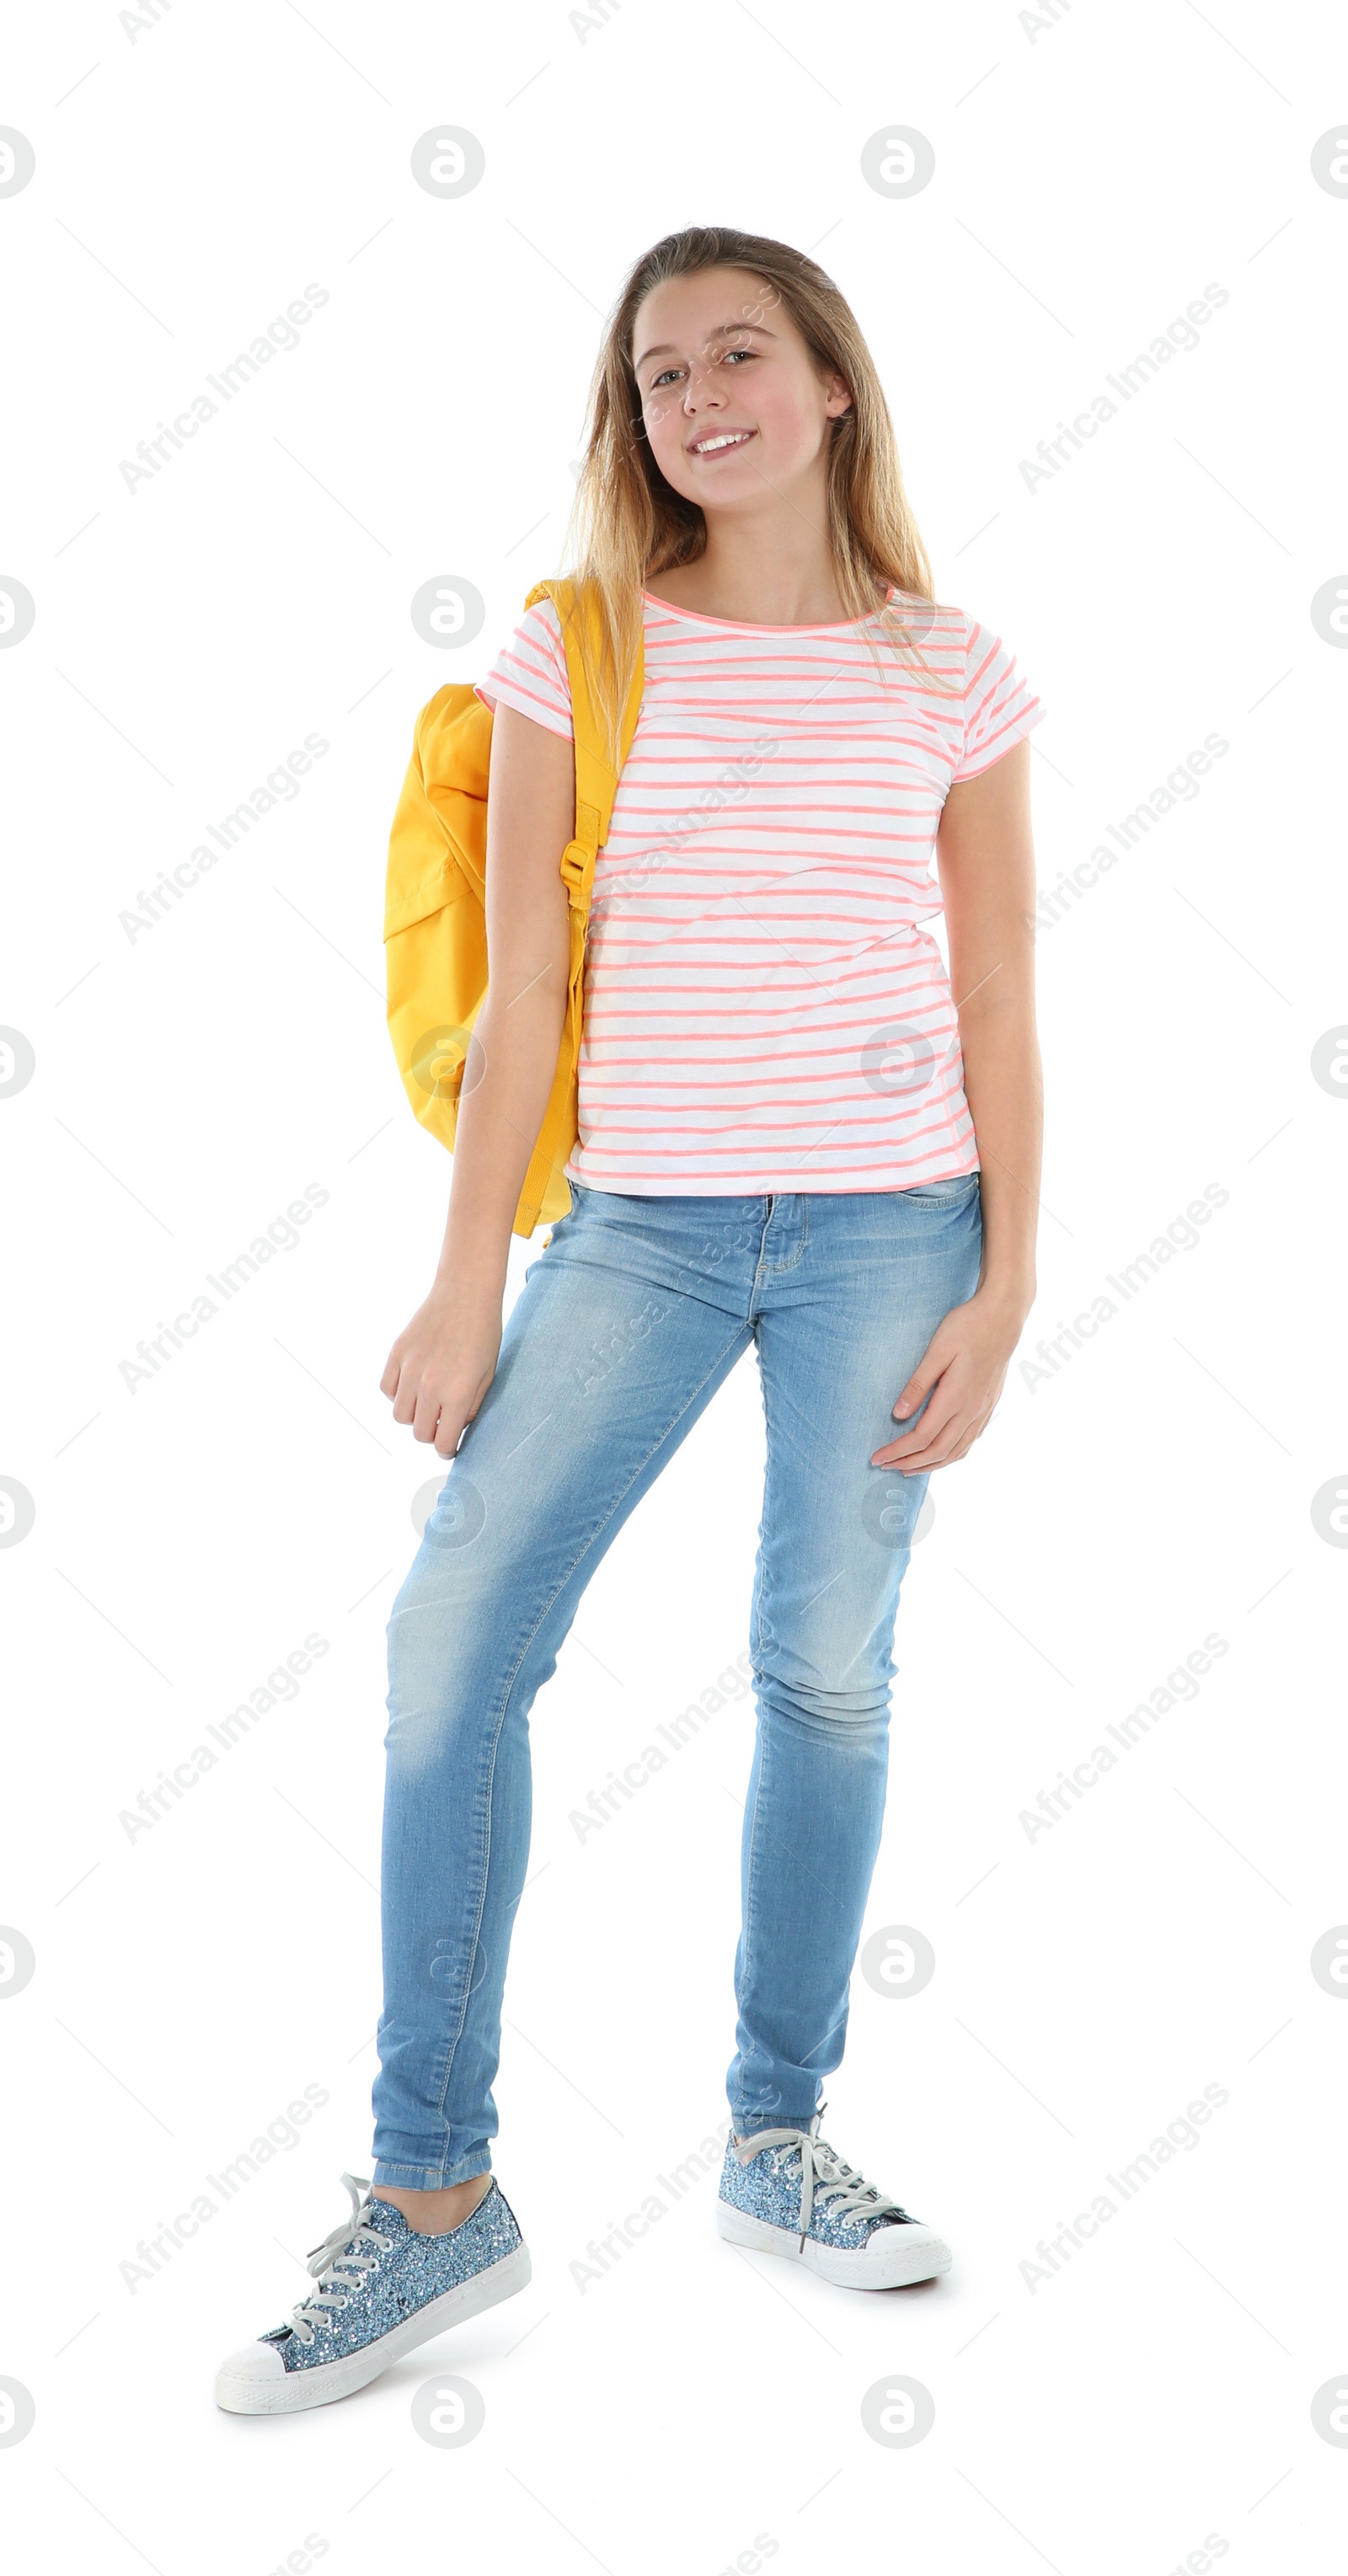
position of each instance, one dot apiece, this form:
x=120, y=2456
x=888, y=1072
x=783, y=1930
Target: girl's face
x=734, y=406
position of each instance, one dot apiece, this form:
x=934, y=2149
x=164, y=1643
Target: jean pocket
x=940, y=1193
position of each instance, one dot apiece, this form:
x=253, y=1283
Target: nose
x=702, y=389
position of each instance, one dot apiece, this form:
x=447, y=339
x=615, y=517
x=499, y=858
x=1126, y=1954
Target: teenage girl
x=793, y=1133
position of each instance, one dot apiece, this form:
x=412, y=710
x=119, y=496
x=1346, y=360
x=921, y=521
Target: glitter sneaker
x=786, y=2191
x=382, y=2290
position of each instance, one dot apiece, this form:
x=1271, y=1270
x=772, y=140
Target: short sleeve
x=1000, y=708
x=530, y=675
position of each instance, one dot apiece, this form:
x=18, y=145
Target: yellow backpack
x=435, y=933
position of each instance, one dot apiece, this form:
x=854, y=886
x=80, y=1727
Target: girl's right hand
x=442, y=1364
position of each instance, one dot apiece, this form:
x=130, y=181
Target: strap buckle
x=575, y=859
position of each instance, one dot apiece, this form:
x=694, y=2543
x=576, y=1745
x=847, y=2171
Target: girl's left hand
x=964, y=1365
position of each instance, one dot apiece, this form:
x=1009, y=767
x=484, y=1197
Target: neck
x=772, y=566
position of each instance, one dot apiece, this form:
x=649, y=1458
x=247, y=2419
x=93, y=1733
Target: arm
x=441, y=1366
x=985, y=855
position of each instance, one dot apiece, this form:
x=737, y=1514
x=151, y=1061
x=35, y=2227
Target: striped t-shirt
x=761, y=1009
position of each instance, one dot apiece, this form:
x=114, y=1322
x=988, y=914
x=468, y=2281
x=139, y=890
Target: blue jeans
x=627, y=1323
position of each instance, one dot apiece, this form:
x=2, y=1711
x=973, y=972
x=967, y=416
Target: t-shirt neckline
x=740, y=626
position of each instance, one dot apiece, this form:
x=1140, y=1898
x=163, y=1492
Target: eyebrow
x=719, y=332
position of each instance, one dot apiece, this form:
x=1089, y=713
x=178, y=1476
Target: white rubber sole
x=893, y=2258
x=256, y=2381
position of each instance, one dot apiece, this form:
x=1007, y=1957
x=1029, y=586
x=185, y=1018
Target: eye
x=662, y=378
x=739, y=353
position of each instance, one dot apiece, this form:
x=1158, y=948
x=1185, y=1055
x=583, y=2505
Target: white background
x=194, y=173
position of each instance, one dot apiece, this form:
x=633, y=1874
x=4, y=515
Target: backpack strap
x=596, y=781
x=596, y=784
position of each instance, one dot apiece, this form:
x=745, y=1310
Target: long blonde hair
x=627, y=522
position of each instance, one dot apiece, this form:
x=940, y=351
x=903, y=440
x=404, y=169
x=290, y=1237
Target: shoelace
x=341, y=2262
x=825, y=2175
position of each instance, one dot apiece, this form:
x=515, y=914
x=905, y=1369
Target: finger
x=388, y=1384
x=426, y=1418
x=405, y=1400
x=927, y=1464
x=958, y=1439
x=920, y=1438
x=924, y=1377
x=476, y=1406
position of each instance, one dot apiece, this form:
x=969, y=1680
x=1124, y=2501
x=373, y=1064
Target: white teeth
x=731, y=438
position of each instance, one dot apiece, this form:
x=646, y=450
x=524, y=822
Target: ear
x=839, y=395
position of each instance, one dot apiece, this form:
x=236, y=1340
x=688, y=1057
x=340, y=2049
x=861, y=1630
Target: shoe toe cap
x=907, y=2243
x=248, y=2373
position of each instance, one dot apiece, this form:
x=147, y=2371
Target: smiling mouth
x=719, y=442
